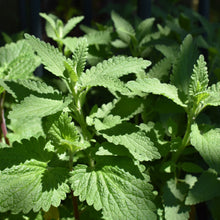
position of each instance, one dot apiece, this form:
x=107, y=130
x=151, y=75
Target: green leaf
x=107, y=73
x=128, y=135
x=207, y=144
x=153, y=85
x=17, y=61
x=63, y=134
x=71, y=43
x=145, y=27
x=123, y=28
x=118, y=193
x=50, y=56
x=125, y=107
x=214, y=95
x=70, y=71
x=30, y=179
x=199, y=79
x=20, y=89
x=161, y=69
x=99, y=37
x=71, y=23
x=24, y=128
x=119, y=43
x=183, y=67
x=80, y=56
x=33, y=106
x=174, y=195
x=50, y=26
x=191, y=167
x=199, y=192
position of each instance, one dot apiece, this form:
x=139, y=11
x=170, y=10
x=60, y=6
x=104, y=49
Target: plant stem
x=74, y=198
x=185, y=140
x=2, y=119
x=75, y=206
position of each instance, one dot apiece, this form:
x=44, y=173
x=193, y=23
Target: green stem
x=186, y=139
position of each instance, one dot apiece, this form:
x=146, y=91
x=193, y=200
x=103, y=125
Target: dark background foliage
x=22, y=15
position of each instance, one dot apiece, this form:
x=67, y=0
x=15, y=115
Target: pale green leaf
x=80, y=56
x=107, y=73
x=50, y=56
x=20, y=89
x=118, y=193
x=153, y=85
x=207, y=144
x=213, y=98
x=145, y=27
x=50, y=26
x=71, y=42
x=200, y=193
x=62, y=133
x=24, y=128
x=161, y=69
x=123, y=28
x=199, y=79
x=70, y=71
x=183, y=66
x=169, y=51
x=125, y=107
x=71, y=23
x=128, y=135
x=17, y=61
x=119, y=43
x=29, y=178
x=99, y=37
x=38, y=107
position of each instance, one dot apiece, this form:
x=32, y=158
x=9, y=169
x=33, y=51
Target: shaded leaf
x=207, y=144
x=29, y=180
x=153, y=85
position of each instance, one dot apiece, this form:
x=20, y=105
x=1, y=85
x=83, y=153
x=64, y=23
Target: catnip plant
x=146, y=153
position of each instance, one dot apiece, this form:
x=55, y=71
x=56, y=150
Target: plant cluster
x=129, y=130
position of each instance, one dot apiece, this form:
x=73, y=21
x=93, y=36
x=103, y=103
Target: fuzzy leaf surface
x=119, y=194
x=50, y=56
x=80, y=56
x=207, y=144
x=199, y=78
x=123, y=28
x=20, y=89
x=107, y=73
x=99, y=37
x=160, y=70
x=71, y=24
x=214, y=95
x=33, y=106
x=17, y=60
x=153, y=85
x=128, y=135
x=62, y=133
x=183, y=67
x=29, y=179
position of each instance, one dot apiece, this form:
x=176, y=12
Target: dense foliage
x=127, y=127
